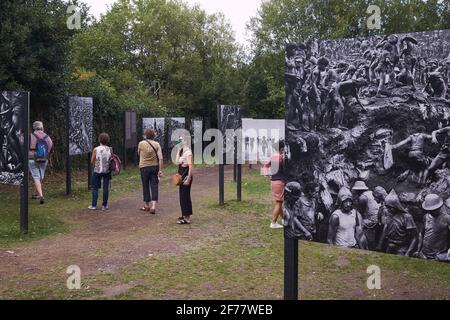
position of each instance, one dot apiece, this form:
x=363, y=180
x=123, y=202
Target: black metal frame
x=69, y=158
x=24, y=209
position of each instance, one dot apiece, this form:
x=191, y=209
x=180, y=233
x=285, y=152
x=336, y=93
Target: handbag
x=177, y=179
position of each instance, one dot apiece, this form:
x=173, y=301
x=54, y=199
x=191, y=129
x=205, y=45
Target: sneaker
x=41, y=200
x=105, y=208
x=276, y=226
x=92, y=208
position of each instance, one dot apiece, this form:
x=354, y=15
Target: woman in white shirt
x=185, y=168
x=100, y=160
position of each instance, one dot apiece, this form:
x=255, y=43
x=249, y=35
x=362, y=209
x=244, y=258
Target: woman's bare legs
x=277, y=211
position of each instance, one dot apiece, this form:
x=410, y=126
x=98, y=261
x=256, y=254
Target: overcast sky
x=238, y=12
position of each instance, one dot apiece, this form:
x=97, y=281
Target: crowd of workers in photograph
x=323, y=83
x=323, y=80
x=362, y=218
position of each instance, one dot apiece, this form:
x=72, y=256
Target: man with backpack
x=41, y=146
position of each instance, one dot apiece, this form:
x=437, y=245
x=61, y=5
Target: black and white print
x=157, y=124
x=174, y=125
x=368, y=143
x=130, y=130
x=196, y=130
x=261, y=138
x=229, y=118
x=81, y=116
x=13, y=106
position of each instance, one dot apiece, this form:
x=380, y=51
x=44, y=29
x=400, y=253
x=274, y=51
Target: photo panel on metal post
x=13, y=128
x=157, y=124
x=368, y=143
x=130, y=130
x=81, y=125
x=229, y=119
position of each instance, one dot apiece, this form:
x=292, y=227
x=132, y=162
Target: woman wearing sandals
x=151, y=164
x=185, y=169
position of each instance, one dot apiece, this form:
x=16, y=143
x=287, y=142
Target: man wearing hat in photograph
x=434, y=244
x=368, y=207
x=345, y=223
x=400, y=231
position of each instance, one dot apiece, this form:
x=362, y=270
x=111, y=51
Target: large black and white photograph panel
x=157, y=124
x=229, y=118
x=368, y=143
x=174, y=125
x=130, y=130
x=13, y=127
x=261, y=138
x=81, y=117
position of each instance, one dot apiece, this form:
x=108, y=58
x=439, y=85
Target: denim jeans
x=97, y=184
x=150, y=182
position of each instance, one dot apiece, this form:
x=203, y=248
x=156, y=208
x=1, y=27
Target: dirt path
x=107, y=241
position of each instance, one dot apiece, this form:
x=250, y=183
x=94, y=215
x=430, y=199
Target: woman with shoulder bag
x=185, y=171
x=151, y=163
x=101, y=157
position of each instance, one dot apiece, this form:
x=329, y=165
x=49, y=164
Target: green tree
x=35, y=56
x=186, y=59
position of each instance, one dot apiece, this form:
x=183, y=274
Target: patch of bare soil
x=107, y=241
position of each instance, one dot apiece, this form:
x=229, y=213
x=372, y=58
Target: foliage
x=183, y=57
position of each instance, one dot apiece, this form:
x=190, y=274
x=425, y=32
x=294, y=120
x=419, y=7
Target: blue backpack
x=41, y=151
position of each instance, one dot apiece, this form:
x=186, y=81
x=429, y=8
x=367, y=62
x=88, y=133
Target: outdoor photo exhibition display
x=14, y=142
x=229, y=118
x=80, y=127
x=130, y=135
x=261, y=138
x=157, y=124
x=368, y=144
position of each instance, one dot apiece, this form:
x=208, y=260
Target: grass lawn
x=242, y=259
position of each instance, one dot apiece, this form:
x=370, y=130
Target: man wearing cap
x=345, y=223
x=37, y=169
x=368, y=207
x=434, y=241
x=400, y=231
